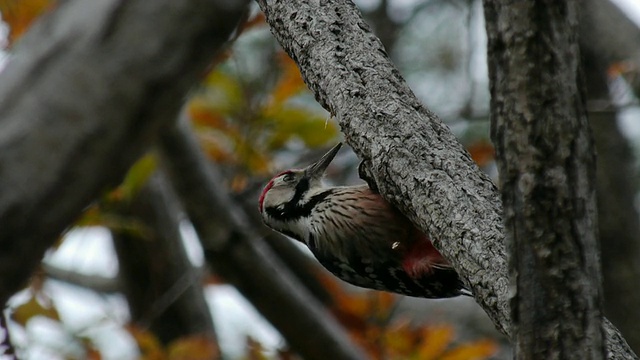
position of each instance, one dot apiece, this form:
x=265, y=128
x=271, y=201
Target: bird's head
x=285, y=196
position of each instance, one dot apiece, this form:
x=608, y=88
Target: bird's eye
x=288, y=177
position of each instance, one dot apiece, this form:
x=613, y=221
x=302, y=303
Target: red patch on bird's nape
x=268, y=187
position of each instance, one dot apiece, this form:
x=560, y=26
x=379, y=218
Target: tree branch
x=96, y=283
x=83, y=94
x=238, y=254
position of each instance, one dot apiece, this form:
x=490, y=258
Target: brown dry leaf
x=93, y=354
x=19, y=14
x=195, y=347
x=478, y=350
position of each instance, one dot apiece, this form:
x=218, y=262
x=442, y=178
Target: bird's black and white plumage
x=356, y=234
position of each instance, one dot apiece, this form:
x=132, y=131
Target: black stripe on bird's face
x=301, y=189
x=294, y=209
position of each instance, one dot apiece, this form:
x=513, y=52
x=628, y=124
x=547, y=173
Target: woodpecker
x=356, y=234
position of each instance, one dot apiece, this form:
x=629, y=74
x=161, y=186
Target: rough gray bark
x=237, y=253
x=617, y=216
x=84, y=93
x=163, y=289
x=418, y=164
x=546, y=162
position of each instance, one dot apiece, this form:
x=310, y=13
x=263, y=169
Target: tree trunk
x=547, y=173
x=84, y=93
x=163, y=289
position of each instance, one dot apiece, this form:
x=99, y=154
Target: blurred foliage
x=370, y=318
x=193, y=347
x=482, y=152
x=106, y=211
x=243, y=128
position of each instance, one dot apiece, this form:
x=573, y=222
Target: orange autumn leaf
x=215, y=153
x=257, y=20
x=19, y=14
x=481, y=152
x=401, y=340
x=148, y=344
x=239, y=183
x=201, y=115
x=435, y=341
x=357, y=304
x=290, y=82
x=619, y=68
x=478, y=350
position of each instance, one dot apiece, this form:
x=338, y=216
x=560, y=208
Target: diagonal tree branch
x=237, y=253
x=96, y=283
x=416, y=161
x=83, y=95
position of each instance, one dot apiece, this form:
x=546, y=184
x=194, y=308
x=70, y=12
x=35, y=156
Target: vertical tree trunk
x=163, y=289
x=547, y=172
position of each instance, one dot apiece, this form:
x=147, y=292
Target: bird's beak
x=316, y=170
